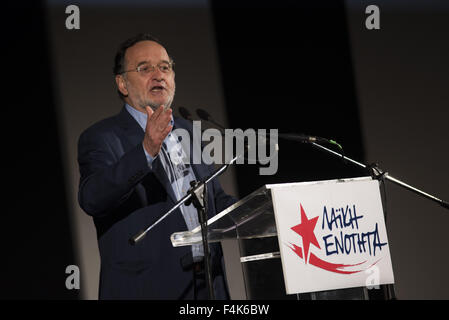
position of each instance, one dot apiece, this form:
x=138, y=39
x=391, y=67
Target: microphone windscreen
x=185, y=113
x=203, y=114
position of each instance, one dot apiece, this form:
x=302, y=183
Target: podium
x=255, y=222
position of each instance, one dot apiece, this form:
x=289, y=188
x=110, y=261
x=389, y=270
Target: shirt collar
x=141, y=117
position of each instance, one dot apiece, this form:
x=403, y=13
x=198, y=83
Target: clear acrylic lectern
x=251, y=221
x=251, y=217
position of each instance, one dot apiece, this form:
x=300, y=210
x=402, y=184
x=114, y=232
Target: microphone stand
x=375, y=171
x=199, y=201
x=378, y=174
x=197, y=195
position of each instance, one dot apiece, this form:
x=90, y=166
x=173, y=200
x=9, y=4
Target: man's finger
x=166, y=132
x=150, y=116
x=158, y=112
x=167, y=115
x=154, y=115
x=149, y=111
x=163, y=120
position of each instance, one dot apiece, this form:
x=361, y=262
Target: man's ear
x=121, y=84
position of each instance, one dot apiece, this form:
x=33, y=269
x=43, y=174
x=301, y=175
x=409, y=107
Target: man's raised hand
x=157, y=129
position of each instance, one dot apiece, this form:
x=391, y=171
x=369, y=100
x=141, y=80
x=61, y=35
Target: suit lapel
x=160, y=173
x=134, y=134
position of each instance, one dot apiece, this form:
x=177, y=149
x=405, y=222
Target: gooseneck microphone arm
x=377, y=173
x=315, y=141
x=204, y=115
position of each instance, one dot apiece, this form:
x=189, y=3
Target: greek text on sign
x=330, y=233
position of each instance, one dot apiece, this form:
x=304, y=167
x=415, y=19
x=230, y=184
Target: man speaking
x=130, y=176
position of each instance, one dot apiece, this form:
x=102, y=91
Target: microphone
x=266, y=139
x=301, y=138
x=308, y=139
x=185, y=113
x=204, y=115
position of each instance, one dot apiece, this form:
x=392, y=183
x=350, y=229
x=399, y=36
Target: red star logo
x=305, y=230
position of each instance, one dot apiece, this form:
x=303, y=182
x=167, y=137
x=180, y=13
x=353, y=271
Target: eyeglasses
x=146, y=68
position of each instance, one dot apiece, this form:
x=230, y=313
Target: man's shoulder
x=102, y=127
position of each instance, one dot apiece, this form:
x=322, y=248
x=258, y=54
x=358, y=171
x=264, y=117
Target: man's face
x=153, y=89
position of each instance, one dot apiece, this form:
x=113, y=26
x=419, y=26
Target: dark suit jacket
x=124, y=196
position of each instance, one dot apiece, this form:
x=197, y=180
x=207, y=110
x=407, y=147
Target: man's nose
x=158, y=74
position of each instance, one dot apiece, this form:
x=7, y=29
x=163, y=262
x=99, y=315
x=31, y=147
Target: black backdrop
x=36, y=237
x=287, y=65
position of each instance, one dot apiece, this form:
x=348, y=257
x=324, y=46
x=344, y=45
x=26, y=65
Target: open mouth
x=157, y=88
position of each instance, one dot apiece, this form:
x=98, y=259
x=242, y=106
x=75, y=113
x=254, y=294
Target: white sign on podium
x=332, y=235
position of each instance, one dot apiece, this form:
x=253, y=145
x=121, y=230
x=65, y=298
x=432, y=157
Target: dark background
x=36, y=238
x=275, y=75
x=296, y=66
